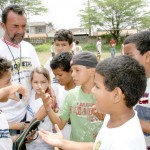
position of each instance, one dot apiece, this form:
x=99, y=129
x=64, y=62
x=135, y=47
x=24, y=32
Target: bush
x=42, y=47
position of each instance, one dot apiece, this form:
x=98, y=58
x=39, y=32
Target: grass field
x=44, y=56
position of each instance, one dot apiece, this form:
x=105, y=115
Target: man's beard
x=16, y=40
x=13, y=38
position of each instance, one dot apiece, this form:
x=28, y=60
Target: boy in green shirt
x=79, y=101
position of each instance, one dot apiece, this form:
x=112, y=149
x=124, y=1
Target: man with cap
x=78, y=103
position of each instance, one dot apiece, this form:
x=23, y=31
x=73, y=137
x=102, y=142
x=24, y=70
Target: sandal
x=19, y=143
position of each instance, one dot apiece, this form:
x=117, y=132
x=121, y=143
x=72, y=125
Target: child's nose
x=39, y=84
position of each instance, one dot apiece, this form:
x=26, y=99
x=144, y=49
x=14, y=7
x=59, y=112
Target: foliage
x=87, y=16
x=2, y=4
x=42, y=47
x=145, y=22
x=115, y=15
x=32, y=7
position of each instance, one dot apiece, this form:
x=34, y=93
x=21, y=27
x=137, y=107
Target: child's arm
x=56, y=140
x=145, y=126
x=47, y=101
x=41, y=114
x=10, y=92
x=18, y=125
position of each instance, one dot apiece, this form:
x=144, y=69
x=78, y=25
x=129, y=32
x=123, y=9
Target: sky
x=62, y=13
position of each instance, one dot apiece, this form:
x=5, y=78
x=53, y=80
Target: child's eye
x=63, y=44
x=43, y=82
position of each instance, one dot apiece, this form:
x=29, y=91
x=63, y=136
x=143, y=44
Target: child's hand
x=12, y=90
x=32, y=136
x=19, y=89
x=50, y=138
x=50, y=91
x=46, y=98
x=100, y=116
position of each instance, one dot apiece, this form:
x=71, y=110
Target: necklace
x=17, y=66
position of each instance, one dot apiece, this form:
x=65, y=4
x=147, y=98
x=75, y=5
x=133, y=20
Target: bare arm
x=41, y=114
x=56, y=140
x=67, y=145
x=18, y=125
x=15, y=126
x=47, y=101
x=145, y=126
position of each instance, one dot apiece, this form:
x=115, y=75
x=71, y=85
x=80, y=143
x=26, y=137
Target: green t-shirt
x=78, y=108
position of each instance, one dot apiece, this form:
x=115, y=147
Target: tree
x=32, y=7
x=87, y=16
x=116, y=15
x=145, y=22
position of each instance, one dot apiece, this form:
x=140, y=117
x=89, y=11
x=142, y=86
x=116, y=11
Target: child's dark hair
x=5, y=66
x=41, y=70
x=15, y=8
x=77, y=42
x=64, y=35
x=62, y=61
x=127, y=74
x=141, y=41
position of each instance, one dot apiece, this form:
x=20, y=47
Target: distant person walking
x=73, y=46
x=99, y=48
x=112, y=47
x=52, y=49
x=77, y=47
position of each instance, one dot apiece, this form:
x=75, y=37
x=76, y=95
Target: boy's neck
x=117, y=120
x=69, y=86
x=86, y=88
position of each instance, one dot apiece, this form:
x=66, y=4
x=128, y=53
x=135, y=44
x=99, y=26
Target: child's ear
x=147, y=55
x=118, y=95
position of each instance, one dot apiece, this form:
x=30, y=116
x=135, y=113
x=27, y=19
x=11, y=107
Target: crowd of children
x=64, y=91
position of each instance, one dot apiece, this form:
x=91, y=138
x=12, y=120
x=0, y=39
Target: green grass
x=43, y=47
x=88, y=46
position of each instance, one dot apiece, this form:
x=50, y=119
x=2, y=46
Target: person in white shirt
x=138, y=47
x=61, y=68
x=63, y=42
x=52, y=50
x=99, y=48
x=77, y=47
x=39, y=77
x=7, y=91
x=23, y=57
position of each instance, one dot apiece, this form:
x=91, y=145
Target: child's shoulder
x=74, y=91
